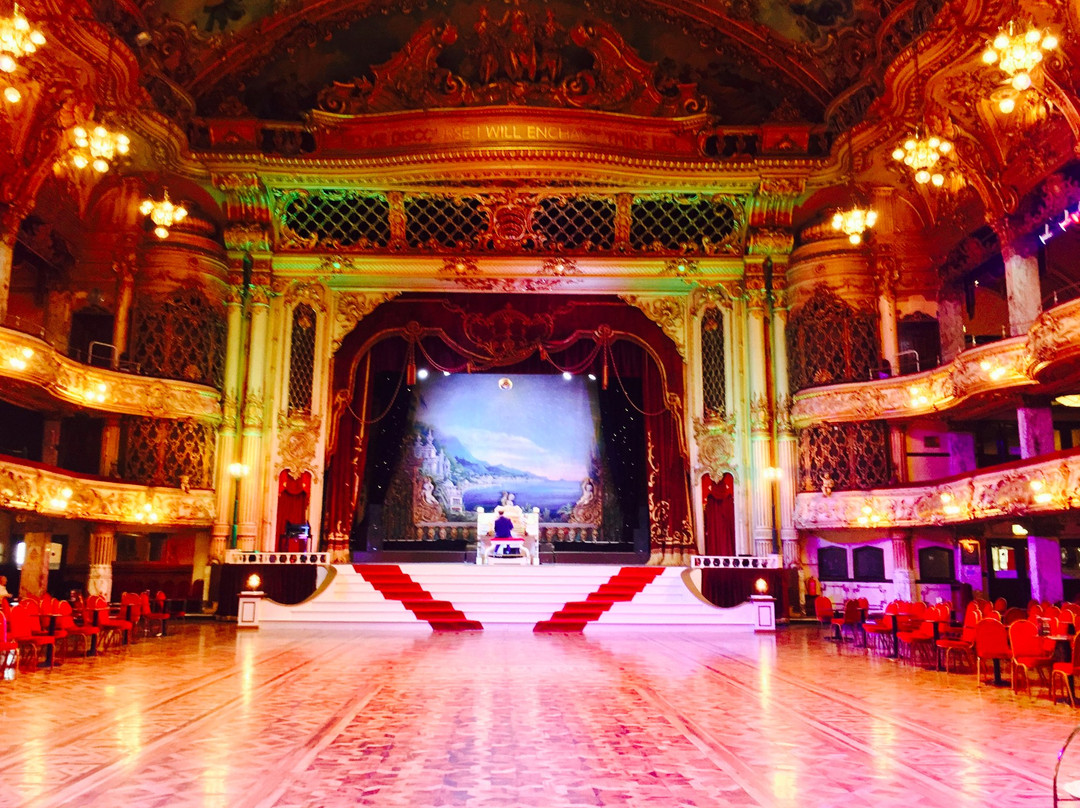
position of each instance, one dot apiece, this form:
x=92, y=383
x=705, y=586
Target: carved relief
x=669, y=313
x=297, y=443
x=715, y=447
x=310, y=293
x=760, y=417
x=352, y=307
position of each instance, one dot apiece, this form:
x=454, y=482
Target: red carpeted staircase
x=394, y=584
x=623, y=586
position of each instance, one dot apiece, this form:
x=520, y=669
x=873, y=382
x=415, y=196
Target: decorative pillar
x=898, y=451
x=110, y=448
x=886, y=279
x=1036, y=427
x=50, y=441
x=252, y=423
x=903, y=567
x=102, y=555
x=34, y=580
x=951, y=322
x=7, y=249
x=125, y=294
x=57, y=318
x=1022, y=288
x=761, y=506
x=786, y=445
x=227, y=433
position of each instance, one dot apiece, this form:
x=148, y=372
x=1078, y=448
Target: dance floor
x=508, y=718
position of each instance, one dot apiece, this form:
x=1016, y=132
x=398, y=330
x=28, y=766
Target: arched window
x=832, y=563
x=712, y=363
x=302, y=358
x=936, y=565
x=869, y=563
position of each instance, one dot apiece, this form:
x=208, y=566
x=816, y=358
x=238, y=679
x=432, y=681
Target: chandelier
x=1018, y=54
x=17, y=39
x=163, y=214
x=922, y=155
x=97, y=147
x=854, y=222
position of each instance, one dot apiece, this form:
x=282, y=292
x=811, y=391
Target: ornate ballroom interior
x=816, y=263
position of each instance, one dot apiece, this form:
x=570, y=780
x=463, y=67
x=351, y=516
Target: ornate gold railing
x=51, y=492
x=1040, y=487
x=32, y=360
x=1010, y=363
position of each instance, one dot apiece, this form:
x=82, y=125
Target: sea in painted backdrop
x=547, y=495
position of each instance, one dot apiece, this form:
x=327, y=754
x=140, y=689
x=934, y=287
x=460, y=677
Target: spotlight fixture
x=163, y=214
x=567, y=375
x=422, y=373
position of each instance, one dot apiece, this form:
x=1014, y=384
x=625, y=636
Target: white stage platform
x=507, y=595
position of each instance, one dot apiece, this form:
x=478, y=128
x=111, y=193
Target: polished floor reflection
x=509, y=718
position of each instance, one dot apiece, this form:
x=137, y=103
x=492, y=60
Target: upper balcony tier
x=36, y=370
x=979, y=380
x=41, y=489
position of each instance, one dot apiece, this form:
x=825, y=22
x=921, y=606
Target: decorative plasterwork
x=31, y=489
x=1034, y=489
x=715, y=447
x=669, y=313
x=100, y=389
x=298, y=443
x=997, y=366
x=311, y=293
x=352, y=307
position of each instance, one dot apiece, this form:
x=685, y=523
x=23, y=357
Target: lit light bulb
x=161, y=232
x=1007, y=105
x=7, y=64
x=1021, y=81
x=12, y=96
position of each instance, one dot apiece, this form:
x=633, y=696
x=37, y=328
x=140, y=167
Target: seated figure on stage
x=504, y=529
x=507, y=534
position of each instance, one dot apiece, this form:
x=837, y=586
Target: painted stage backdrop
x=483, y=440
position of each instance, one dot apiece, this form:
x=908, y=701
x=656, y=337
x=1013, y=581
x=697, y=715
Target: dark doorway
x=1007, y=565
x=91, y=337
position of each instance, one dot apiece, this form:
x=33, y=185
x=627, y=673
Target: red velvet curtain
x=515, y=333
x=719, y=501
x=293, y=496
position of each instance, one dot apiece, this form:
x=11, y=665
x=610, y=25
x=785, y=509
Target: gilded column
x=1022, y=288
x=110, y=448
x=786, y=446
x=7, y=248
x=251, y=421
x=886, y=277
x=903, y=567
x=951, y=321
x=227, y=432
x=737, y=408
x=102, y=555
x=34, y=580
x=761, y=517
x=125, y=294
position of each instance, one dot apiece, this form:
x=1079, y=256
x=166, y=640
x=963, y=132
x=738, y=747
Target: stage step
x=553, y=597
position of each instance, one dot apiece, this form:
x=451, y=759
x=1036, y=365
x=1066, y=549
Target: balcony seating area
x=45, y=632
x=1039, y=640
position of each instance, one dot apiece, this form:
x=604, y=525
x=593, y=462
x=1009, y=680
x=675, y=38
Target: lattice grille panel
x=444, y=222
x=690, y=224
x=302, y=358
x=854, y=455
x=712, y=363
x=182, y=337
x=163, y=452
x=338, y=219
x=575, y=223
x=829, y=342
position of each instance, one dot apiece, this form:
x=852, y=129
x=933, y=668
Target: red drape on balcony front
x=532, y=333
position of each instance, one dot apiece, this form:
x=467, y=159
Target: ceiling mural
x=749, y=61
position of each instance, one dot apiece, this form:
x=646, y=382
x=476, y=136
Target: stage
x=466, y=597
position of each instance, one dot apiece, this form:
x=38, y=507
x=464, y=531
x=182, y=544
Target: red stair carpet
x=623, y=586
x=394, y=584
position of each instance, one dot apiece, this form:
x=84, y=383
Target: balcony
x=1047, y=356
x=1027, y=488
x=27, y=359
x=27, y=486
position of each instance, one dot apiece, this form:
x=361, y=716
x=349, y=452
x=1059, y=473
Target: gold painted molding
x=31, y=360
x=1038, y=488
x=54, y=493
x=1010, y=363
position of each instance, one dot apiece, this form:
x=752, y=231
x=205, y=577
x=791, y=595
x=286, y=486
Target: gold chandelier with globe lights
x=18, y=39
x=923, y=154
x=97, y=147
x=163, y=214
x=1017, y=55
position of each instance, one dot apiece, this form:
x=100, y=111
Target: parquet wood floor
x=509, y=718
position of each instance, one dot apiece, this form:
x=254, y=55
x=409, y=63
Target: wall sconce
x=949, y=506
x=94, y=394
x=61, y=500
x=969, y=545
x=1019, y=530
x=1042, y=497
x=146, y=514
x=919, y=398
x=995, y=372
x=21, y=358
x=870, y=517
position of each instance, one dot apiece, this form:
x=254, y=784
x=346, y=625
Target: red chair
x=1028, y=651
x=9, y=652
x=883, y=631
x=1000, y=605
x=991, y=645
x=162, y=605
x=1065, y=672
x=162, y=617
x=112, y=628
x=87, y=632
x=965, y=642
x=852, y=620
x=923, y=636
x=25, y=629
x=823, y=611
